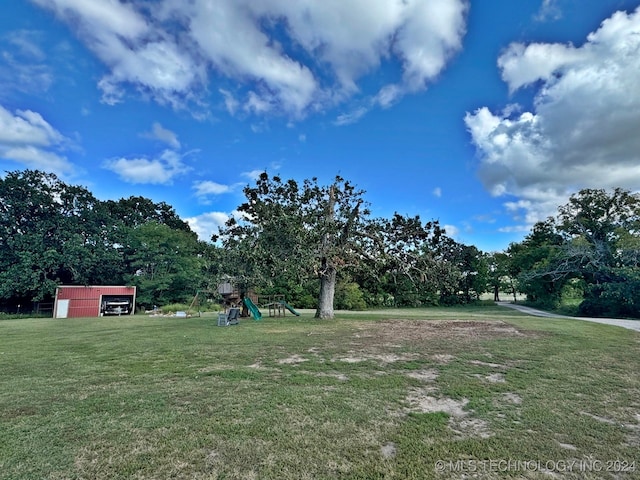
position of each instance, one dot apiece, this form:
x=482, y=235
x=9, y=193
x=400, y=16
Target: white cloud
x=23, y=65
x=158, y=132
x=27, y=43
x=451, y=231
x=162, y=170
x=253, y=174
x=27, y=138
x=206, y=224
x=582, y=130
x=230, y=101
x=136, y=51
x=549, y=10
x=437, y=192
x=388, y=95
x=351, y=117
x=207, y=188
x=283, y=57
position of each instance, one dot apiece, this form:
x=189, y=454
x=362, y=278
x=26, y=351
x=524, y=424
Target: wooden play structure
x=277, y=305
x=241, y=302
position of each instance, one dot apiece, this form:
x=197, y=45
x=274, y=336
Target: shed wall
x=85, y=301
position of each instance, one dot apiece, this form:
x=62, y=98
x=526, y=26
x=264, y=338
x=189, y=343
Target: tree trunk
x=327, y=292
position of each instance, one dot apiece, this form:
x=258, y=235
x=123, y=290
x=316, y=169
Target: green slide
x=290, y=308
x=252, y=308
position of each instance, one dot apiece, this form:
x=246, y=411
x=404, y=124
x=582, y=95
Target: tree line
x=317, y=244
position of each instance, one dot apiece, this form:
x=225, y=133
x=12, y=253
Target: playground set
x=237, y=303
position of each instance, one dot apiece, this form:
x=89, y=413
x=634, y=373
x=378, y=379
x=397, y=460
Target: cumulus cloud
x=206, y=224
x=28, y=139
x=582, y=129
x=136, y=51
x=206, y=189
x=162, y=170
x=283, y=57
x=210, y=188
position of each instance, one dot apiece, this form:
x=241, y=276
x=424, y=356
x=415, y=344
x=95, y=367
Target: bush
x=174, y=307
x=349, y=297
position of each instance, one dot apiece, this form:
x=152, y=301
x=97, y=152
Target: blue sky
x=485, y=115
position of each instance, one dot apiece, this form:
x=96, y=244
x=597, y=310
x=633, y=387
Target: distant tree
x=167, y=264
x=500, y=277
x=537, y=263
x=401, y=264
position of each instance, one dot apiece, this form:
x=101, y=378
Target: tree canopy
x=317, y=244
x=592, y=245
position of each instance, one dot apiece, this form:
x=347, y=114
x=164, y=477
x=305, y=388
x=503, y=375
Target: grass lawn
x=482, y=392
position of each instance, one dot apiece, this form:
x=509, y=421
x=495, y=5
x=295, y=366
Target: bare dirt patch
x=469, y=428
x=420, y=402
x=487, y=364
x=424, y=375
x=292, y=360
x=511, y=397
x=461, y=423
x=382, y=358
x=495, y=378
x=388, y=450
x=443, y=358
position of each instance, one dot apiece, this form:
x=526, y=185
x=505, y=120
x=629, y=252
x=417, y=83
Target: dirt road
x=629, y=324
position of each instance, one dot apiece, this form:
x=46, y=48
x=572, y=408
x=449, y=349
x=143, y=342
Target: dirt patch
x=511, y=397
x=461, y=422
x=338, y=376
x=599, y=419
x=567, y=446
x=424, y=375
x=292, y=360
x=469, y=428
x=487, y=364
x=443, y=358
x=388, y=450
x=420, y=402
x=383, y=358
x=496, y=378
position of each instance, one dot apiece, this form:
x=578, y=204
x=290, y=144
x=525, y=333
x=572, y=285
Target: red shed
x=93, y=301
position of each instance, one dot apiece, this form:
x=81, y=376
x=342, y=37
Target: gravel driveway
x=629, y=324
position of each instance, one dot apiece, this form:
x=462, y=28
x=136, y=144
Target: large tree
x=298, y=229
x=593, y=242
x=51, y=233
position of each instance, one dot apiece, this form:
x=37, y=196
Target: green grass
x=371, y=395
